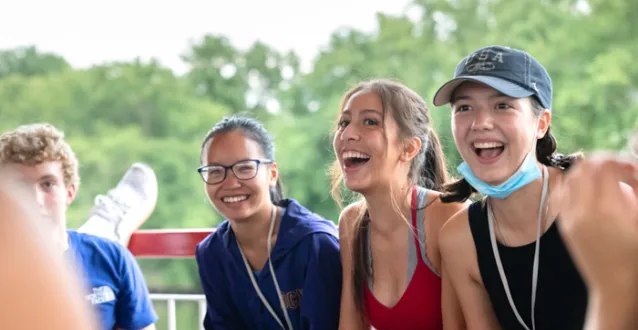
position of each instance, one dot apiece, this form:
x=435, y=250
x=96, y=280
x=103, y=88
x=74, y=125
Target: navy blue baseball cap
x=510, y=71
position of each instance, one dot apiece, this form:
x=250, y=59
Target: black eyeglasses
x=243, y=170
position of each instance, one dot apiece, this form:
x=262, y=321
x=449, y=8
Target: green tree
x=120, y=113
x=28, y=61
x=239, y=79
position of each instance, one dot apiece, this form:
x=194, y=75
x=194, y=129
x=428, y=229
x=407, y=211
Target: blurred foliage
x=119, y=113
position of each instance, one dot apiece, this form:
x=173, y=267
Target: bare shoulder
x=456, y=244
x=440, y=212
x=348, y=217
x=455, y=235
x=462, y=271
x=350, y=317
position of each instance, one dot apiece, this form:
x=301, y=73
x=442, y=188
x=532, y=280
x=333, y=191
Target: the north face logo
x=101, y=295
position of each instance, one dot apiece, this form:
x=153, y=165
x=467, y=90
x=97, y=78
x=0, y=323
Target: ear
x=543, y=123
x=71, y=192
x=411, y=148
x=273, y=175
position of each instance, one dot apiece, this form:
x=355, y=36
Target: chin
x=358, y=186
x=493, y=176
x=238, y=215
x=236, y=211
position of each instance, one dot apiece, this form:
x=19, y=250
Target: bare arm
x=452, y=312
x=596, y=206
x=451, y=307
x=613, y=307
x=436, y=216
x=349, y=319
x=439, y=214
x=461, y=269
x=33, y=275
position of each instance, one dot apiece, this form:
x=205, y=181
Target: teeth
x=355, y=154
x=487, y=145
x=234, y=199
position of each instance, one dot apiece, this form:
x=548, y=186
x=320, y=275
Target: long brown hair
x=460, y=191
x=428, y=168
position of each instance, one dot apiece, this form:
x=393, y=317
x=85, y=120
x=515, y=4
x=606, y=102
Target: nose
x=231, y=180
x=350, y=132
x=39, y=196
x=483, y=120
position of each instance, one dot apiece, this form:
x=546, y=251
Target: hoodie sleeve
x=219, y=316
x=321, y=297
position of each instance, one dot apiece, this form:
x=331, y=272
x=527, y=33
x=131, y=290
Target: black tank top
x=561, y=298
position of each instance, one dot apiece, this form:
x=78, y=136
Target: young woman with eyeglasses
x=273, y=264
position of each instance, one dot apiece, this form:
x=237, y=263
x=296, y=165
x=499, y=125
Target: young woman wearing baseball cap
x=504, y=255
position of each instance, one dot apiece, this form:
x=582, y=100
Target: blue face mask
x=525, y=174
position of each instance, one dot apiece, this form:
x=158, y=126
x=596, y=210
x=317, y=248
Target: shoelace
x=111, y=207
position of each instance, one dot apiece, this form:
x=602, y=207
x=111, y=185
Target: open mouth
x=353, y=159
x=488, y=150
x=235, y=199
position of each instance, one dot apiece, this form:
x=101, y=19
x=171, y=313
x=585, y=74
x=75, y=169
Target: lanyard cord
x=274, y=278
x=497, y=257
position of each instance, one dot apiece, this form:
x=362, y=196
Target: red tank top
x=420, y=306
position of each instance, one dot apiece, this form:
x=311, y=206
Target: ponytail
x=547, y=155
x=457, y=191
x=433, y=174
x=276, y=193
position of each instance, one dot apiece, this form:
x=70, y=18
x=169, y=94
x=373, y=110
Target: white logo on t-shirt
x=101, y=295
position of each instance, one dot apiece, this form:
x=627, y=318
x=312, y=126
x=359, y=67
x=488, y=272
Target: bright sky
x=88, y=32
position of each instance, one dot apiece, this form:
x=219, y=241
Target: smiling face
x=494, y=132
x=234, y=198
x=367, y=144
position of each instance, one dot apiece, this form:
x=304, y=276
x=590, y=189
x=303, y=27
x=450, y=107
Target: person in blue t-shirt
x=113, y=282
x=33, y=278
x=272, y=264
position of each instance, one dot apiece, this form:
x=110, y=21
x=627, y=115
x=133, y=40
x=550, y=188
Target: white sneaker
x=124, y=208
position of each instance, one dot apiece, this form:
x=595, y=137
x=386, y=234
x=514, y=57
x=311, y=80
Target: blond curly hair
x=37, y=143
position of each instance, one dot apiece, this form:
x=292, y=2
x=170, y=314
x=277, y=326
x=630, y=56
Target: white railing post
x=202, y=313
x=172, y=315
x=171, y=299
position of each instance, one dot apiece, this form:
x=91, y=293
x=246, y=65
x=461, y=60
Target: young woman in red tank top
x=386, y=152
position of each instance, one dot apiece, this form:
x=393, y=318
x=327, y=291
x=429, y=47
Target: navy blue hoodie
x=307, y=265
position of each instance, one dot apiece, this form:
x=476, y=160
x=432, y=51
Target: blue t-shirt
x=114, y=284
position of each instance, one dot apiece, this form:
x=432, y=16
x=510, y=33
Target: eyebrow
x=365, y=110
x=462, y=97
x=235, y=163
x=48, y=177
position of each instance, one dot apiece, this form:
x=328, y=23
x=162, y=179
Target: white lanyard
x=497, y=257
x=274, y=278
